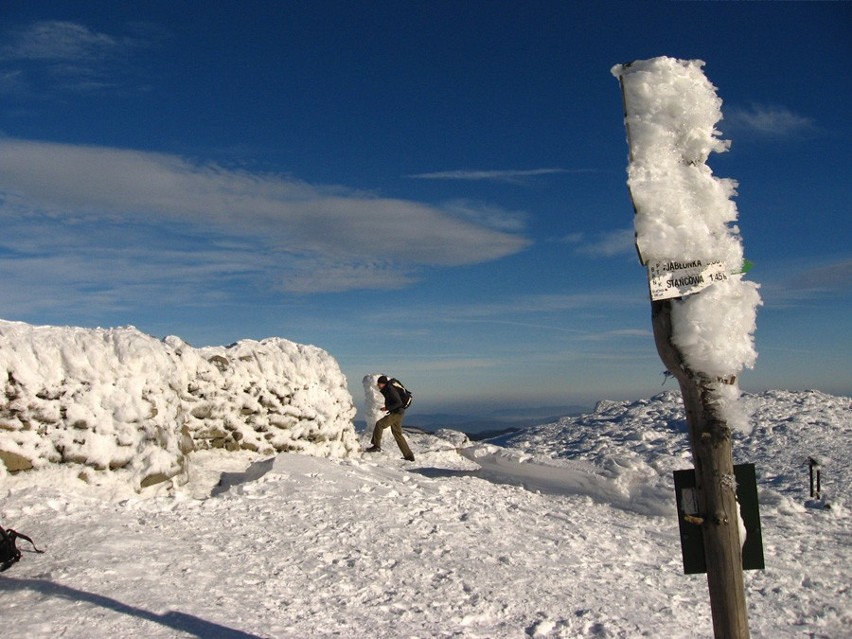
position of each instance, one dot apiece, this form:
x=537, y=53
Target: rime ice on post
x=684, y=220
x=703, y=312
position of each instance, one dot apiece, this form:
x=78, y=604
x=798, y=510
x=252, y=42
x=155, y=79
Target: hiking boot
x=409, y=458
x=373, y=449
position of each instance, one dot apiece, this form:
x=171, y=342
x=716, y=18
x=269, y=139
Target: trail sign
x=690, y=520
x=674, y=278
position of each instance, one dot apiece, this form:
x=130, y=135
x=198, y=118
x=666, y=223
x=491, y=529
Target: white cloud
x=487, y=215
x=339, y=238
x=323, y=277
x=11, y=81
x=827, y=278
x=768, y=121
x=513, y=176
x=58, y=40
x=429, y=364
x=536, y=311
x=55, y=55
x=609, y=244
x=99, y=267
x=612, y=335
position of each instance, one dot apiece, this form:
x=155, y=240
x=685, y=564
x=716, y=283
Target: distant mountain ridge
x=492, y=423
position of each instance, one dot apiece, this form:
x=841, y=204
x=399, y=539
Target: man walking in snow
x=395, y=408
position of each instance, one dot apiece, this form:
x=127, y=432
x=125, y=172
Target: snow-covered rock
x=119, y=400
x=645, y=440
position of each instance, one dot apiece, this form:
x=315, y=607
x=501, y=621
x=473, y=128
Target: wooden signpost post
x=670, y=109
x=710, y=440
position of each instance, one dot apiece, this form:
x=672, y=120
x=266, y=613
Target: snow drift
x=119, y=400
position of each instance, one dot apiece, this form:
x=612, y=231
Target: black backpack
x=404, y=394
x=9, y=552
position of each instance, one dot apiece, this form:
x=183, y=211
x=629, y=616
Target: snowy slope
x=299, y=546
x=649, y=439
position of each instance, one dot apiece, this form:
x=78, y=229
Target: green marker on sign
x=747, y=266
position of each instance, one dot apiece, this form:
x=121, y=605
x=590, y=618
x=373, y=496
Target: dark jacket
x=393, y=401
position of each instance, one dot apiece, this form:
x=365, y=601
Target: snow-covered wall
x=119, y=400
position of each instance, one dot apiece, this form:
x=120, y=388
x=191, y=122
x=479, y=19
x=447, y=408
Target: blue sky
x=435, y=190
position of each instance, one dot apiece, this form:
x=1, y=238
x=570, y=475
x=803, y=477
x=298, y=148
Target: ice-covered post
x=703, y=312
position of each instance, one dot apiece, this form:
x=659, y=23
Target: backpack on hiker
x=9, y=552
x=404, y=394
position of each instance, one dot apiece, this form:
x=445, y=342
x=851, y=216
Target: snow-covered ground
x=567, y=530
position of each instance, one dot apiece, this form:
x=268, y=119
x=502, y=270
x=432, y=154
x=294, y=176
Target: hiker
x=395, y=409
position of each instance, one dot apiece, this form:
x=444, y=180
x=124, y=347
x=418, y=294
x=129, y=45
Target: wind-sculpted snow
x=119, y=400
x=644, y=441
x=629, y=488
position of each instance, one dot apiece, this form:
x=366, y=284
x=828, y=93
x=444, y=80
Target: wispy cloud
x=11, y=81
x=511, y=175
x=57, y=40
x=82, y=266
x=828, y=278
x=327, y=276
x=314, y=237
x=804, y=281
x=487, y=215
x=606, y=244
x=539, y=311
x=623, y=333
x=767, y=121
x=67, y=56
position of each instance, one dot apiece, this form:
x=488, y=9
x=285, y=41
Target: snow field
x=321, y=549
x=296, y=546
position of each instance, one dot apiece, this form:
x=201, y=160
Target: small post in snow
x=814, y=464
x=702, y=312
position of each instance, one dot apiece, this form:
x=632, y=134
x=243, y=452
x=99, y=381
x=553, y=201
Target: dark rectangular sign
x=691, y=541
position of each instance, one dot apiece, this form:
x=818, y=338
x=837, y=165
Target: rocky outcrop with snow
x=119, y=400
x=645, y=440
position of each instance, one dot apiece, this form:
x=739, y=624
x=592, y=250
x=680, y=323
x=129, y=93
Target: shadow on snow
x=179, y=621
